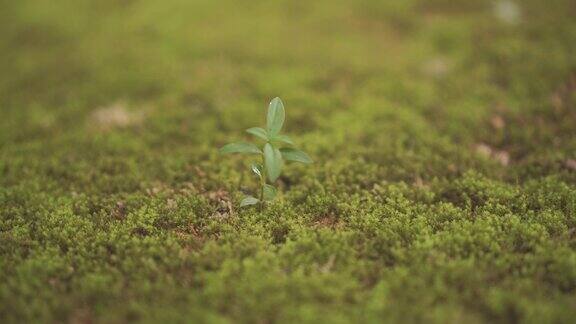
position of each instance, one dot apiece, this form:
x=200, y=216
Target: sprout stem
x=262, y=183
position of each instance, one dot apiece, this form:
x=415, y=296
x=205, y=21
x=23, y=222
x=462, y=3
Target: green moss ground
x=444, y=188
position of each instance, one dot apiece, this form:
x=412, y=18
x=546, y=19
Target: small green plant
x=277, y=149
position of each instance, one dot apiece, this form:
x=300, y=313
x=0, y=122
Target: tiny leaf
x=292, y=154
x=273, y=162
x=269, y=192
x=276, y=115
x=257, y=168
x=240, y=148
x=249, y=200
x=258, y=132
x=283, y=139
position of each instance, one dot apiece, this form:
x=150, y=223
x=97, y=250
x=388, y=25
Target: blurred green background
x=444, y=187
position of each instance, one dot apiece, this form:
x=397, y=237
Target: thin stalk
x=262, y=183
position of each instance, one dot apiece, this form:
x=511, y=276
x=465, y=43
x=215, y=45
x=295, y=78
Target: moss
x=444, y=188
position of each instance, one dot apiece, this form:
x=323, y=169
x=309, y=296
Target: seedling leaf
x=292, y=154
x=249, y=200
x=240, y=148
x=283, y=139
x=269, y=192
x=276, y=115
x=258, y=132
x=257, y=168
x=272, y=161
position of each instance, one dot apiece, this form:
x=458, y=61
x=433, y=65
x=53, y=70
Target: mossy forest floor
x=444, y=135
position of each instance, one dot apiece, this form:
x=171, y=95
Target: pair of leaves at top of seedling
x=274, y=151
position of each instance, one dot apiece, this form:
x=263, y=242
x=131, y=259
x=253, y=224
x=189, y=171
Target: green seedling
x=276, y=149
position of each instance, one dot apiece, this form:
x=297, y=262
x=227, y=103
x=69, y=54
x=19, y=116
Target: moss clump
x=444, y=188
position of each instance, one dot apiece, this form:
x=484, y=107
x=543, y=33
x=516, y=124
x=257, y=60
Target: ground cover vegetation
x=443, y=187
